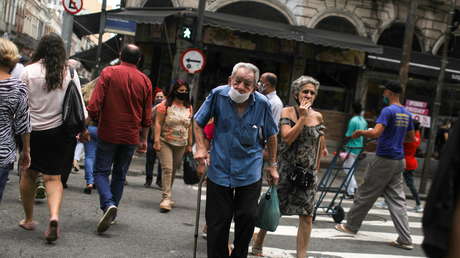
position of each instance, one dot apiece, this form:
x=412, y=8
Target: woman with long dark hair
x=51, y=146
x=172, y=136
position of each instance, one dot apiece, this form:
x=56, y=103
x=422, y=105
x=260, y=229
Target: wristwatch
x=272, y=164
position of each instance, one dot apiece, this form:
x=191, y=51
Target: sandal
x=27, y=226
x=256, y=250
x=88, y=189
x=344, y=229
x=52, y=234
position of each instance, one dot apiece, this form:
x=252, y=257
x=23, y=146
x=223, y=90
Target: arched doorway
x=337, y=24
x=254, y=10
x=394, y=37
x=158, y=3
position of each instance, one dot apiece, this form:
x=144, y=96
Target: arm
x=201, y=153
x=374, y=133
x=272, y=168
x=159, y=120
x=190, y=139
x=24, y=160
x=289, y=134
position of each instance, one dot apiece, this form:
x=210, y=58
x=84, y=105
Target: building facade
x=347, y=73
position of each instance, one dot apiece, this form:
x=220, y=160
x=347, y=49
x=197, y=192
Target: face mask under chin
x=238, y=97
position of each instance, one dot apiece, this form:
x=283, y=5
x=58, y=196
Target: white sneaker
x=418, y=208
x=382, y=205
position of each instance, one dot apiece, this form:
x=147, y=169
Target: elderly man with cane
x=243, y=123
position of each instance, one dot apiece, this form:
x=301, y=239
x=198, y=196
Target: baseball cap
x=393, y=86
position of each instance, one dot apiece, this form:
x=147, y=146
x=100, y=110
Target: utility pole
x=437, y=101
x=407, y=45
x=198, y=43
x=101, y=33
x=67, y=30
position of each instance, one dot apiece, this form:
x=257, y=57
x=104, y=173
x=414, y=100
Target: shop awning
x=254, y=26
x=110, y=51
x=421, y=63
x=290, y=32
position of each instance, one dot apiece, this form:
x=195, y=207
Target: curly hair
x=302, y=81
x=9, y=54
x=52, y=52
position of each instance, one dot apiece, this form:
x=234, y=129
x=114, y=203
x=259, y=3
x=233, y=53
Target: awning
x=145, y=15
x=290, y=32
x=421, y=63
x=88, y=24
x=110, y=51
x=254, y=26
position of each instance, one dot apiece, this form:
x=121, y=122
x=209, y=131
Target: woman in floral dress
x=302, y=141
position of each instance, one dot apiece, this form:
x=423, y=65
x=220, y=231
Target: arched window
x=337, y=24
x=254, y=10
x=158, y=3
x=394, y=37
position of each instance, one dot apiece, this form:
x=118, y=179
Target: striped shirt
x=14, y=117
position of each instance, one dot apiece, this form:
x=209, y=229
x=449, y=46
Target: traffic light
x=186, y=32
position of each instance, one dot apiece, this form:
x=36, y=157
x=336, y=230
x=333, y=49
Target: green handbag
x=268, y=213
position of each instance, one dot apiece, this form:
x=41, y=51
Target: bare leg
x=258, y=243
x=54, y=192
x=303, y=235
x=27, y=187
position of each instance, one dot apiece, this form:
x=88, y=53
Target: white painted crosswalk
x=370, y=242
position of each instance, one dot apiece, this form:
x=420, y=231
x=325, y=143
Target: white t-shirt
x=276, y=106
x=46, y=107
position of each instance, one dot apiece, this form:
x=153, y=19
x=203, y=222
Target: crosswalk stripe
x=282, y=253
x=387, y=223
x=331, y=233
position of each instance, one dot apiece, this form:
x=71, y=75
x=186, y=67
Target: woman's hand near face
x=304, y=107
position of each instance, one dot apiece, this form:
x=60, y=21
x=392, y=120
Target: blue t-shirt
x=237, y=146
x=356, y=123
x=397, y=122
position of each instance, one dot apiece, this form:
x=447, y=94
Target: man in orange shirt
x=411, y=165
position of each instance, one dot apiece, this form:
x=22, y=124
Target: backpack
x=73, y=116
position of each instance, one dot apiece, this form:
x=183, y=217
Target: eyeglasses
x=309, y=91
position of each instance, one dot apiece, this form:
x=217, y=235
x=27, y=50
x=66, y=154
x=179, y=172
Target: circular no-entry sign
x=72, y=6
x=192, y=60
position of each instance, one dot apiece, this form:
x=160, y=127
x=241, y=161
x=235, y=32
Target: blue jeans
x=118, y=155
x=90, y=155
x=4, y=171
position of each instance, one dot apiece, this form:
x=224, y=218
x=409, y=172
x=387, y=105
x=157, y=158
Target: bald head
x=130, y=53
x=269, y=80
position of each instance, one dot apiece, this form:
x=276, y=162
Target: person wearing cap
x=384, y=176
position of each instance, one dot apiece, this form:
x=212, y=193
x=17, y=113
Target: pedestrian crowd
x=241, y=133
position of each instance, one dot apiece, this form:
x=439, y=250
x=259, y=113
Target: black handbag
x=73, y=116
x=190, y=175
x=301, y=177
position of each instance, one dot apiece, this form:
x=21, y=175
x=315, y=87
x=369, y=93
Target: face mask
x=157, y=101
x=238, y=97
x=182, y=96
x=385, y=100
x=261, y=87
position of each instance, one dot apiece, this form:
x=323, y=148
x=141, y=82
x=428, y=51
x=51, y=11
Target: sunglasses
x=309, y=91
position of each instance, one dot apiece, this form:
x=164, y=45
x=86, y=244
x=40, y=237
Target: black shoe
x=148, y=182
x=349, y=196
x=87, y=190
x=107, y=219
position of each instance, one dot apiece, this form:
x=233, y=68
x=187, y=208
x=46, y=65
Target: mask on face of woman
x=385, y=100
x=238, y=97
x=182, y=95
x=157, y=101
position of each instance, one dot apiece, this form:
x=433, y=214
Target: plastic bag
x=190, y=175
x=268, y=213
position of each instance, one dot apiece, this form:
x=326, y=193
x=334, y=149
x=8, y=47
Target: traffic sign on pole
x=192, y=60
x=72, y=6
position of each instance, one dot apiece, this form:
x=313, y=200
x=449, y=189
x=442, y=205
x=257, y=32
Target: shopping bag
x=268, y=213
x=190, y=176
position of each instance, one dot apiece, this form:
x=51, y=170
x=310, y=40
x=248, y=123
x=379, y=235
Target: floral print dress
x=302, y=152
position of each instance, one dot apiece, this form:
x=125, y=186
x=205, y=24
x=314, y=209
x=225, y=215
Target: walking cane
x=198, y=206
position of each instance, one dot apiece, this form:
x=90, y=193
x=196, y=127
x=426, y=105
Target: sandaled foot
x=52, y=234
x=344, y=229
x=396, y=243
x=27, y=225
x=256, y=250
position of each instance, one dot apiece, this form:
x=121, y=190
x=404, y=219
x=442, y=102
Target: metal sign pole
x=67, y=29
x=99, y=43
